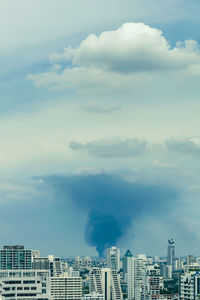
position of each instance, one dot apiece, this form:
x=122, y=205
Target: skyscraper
x=113, y=258
x=125, y=262
x=136, y=267
x=171, y=254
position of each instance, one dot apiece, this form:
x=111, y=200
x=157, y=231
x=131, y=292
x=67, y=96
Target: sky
x=99, y=125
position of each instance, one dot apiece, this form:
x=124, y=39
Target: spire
x=128, y=253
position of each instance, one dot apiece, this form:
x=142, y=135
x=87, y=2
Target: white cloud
x=134, y=47
x=116, y=147
x=189, y=146
x=124, y=59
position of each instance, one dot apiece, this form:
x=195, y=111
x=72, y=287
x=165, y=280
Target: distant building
x=190, y=259
x=178, y=264
x=113, y=258
x=166, y=271
x=83, y=262
x=125, y=262
x=171, y=254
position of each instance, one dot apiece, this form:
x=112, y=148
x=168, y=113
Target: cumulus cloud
x=181, y=145
x=116, y=147
x=133, y=52
x=134, y=47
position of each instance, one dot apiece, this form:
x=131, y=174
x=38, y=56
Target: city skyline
x=99, y=125
x=25, y=273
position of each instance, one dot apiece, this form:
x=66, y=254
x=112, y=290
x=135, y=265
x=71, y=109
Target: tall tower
x=125, y=262
x=171, y=254
x=113, y=258
x=136, y=267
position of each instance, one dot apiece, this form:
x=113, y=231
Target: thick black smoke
x=112, y=203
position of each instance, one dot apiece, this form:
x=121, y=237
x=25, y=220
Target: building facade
x=66, y=288
x=113, y=258
x=15, y=258
x=106, y=282
x=93, y=296
x=25, y=284
x=189, y=286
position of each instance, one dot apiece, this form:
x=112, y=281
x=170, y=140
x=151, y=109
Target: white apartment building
x=93, y=296
x=65, y=287
x=178, y=263
x=190, y=285
x=152, y=283
x=113, y=258
x=135, y=273
x=107, y=282
x=25, y=284
x=52, y=263
x=83, y=262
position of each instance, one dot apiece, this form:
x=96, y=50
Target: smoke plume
x=112, y=203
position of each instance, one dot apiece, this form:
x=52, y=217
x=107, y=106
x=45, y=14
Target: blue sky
x=91, y=91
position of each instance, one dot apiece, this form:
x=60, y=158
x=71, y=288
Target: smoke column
x=112, y=203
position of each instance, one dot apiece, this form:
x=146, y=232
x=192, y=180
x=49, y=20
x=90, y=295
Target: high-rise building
x=25, y=284
x=135, y=272
x=124, y=263
x=15, y=258
x=66, y=288
x=113, y=258
x=152, y=283
x=190, y=285
x=171, y=254
x=107, y=282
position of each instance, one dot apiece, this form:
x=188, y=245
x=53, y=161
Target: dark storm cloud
x=112, y=148
x=112, y=203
